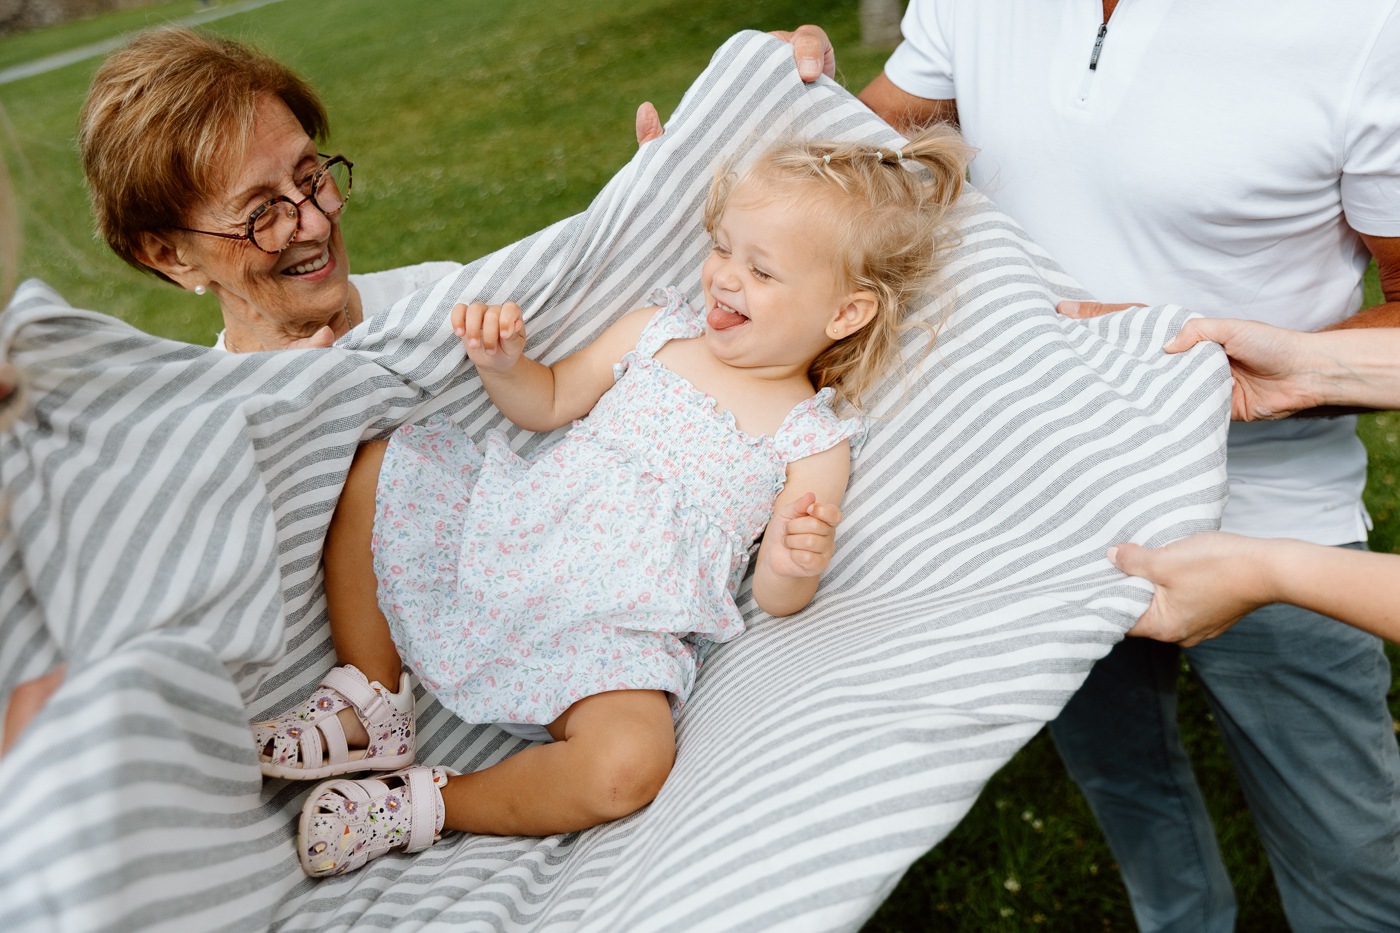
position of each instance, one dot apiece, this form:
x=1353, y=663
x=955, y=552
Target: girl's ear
x=160, y=252
x=855, y=311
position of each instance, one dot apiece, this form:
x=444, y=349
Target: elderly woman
x=201, y=160
x=201, y=157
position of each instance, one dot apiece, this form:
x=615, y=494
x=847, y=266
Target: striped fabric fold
x=164, y=508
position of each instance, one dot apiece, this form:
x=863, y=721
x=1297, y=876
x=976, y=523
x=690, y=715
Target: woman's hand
x=1274, y=372
x=26, y=701
x=803, y=537
x=1205, y=584
x=494, y=335
x=9, y=394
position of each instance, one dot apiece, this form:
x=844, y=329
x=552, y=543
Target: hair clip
x=827, y=158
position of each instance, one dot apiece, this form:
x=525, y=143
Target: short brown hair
x=160, y=119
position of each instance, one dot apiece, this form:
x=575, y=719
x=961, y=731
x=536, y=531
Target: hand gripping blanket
x=165, y=507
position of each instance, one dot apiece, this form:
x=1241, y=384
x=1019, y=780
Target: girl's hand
x=494, y=335
x=803, y=537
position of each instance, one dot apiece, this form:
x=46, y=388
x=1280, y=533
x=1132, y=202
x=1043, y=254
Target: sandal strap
x=423, y=799
x=370, y=703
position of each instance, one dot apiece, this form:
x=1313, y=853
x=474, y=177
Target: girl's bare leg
x=358, y=629
x=611, y=754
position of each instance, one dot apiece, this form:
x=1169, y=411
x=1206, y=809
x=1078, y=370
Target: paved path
x=64, y=59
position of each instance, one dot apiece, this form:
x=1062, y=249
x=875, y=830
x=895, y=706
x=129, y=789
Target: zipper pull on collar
x=1098, y=47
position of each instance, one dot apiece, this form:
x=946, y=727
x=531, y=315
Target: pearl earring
x=199, y=289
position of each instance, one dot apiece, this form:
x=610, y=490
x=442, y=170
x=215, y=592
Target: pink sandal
x=308, y=742
x=345, y=823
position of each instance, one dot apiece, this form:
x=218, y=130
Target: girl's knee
x=627, y=774
x=625, y=743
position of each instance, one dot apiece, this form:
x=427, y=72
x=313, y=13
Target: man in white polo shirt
x=1242, y=159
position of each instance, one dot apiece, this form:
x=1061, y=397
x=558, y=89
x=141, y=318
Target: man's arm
x=1387, y=253
x=903, y=110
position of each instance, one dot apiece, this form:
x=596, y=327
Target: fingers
x=26, y=701
x=1191, y=333
x=807, y=510
x=798, y=506
x=1088, y=309
x=1132, y=559
x=9, y=379
x=488, y=327
x=648, y=124
x=812, y=51
x=813, y=528
x=320, y=340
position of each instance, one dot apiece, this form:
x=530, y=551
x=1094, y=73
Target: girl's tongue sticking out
x=722, y=317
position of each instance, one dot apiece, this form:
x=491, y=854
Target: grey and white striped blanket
x=165, y=507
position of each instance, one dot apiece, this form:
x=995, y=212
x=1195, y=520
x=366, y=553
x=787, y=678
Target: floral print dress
x=515, y=588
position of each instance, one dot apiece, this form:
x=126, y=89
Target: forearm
x=1385, y=314
x=525, y=394
x=904, y=111
x=1356, y=366
x=782, y=596
x=1356, y=587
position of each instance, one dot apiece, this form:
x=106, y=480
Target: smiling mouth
x=723, y=317
x=315, y=264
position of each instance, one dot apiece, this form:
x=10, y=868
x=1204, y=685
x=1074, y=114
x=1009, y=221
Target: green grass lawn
x=472, y=124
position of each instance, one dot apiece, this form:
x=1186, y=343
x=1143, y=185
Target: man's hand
x=1087, y=309
x=812, y=51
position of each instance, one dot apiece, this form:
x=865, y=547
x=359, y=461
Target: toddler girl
x=564, y=597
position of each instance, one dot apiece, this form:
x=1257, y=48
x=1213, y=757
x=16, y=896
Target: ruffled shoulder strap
x=813, y=426
x=676, y=319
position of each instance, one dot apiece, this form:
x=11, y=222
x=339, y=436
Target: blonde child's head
x=888, y=228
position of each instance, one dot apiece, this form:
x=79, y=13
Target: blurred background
x=474, y=123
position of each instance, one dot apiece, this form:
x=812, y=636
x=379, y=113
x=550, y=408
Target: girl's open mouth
x=723, y=317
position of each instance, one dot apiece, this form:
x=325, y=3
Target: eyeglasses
x=274, y=224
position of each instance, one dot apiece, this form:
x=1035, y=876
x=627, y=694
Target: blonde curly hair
x=891, y=227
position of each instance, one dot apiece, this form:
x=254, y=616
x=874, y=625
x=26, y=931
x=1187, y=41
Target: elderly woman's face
x=306, y=282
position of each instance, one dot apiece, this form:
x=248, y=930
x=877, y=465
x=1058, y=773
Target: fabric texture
x=516, y=587
x=1243, y=208
x=166, y=507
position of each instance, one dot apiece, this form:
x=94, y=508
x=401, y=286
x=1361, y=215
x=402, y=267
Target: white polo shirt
x=1218, y=155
